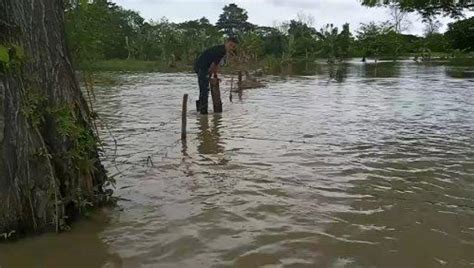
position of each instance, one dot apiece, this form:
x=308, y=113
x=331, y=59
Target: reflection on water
x=338, y=72
x=356, y=165
x=460, y=72
x=380, y=69
x=208, y=135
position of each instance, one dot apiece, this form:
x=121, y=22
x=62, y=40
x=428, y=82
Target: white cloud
x=295, y=3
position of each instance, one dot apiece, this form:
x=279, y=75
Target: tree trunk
x=49, y=164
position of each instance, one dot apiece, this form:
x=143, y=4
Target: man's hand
x=214, y=69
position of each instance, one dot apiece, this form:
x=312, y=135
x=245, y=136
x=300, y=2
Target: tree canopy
x=233, y=20
x=461, y=34
x=427, y=8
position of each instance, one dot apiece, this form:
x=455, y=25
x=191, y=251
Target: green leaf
x=83, y=4
x=19, y=52
x=4, y=57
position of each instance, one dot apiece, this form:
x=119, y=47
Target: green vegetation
x=461, y=34
x=233, y=21
x=133, y=65
x=462, y=61
x=11, y=57
x=427, y=8
x=104, y=36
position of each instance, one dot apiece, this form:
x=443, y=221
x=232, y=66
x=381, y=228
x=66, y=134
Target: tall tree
x=399, y=18
x=328, y=36
x=334, y=44
x=436, y=42
x=49, y=165
x=303, y=38
x=432, y=26
x=461, y=34
x=344, y=42
x=101, y=29
x=274, y=41
x=233, y=20
x=305, y=18
x=251, y=47
x=198, y=35
x=427, y=8
x=378, y=39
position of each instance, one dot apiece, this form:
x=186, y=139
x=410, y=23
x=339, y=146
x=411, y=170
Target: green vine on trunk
x=33, y=107
x=82, y=138
x=83, y=142
x=11, y=57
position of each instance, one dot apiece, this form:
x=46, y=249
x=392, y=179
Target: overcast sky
x=269, y=12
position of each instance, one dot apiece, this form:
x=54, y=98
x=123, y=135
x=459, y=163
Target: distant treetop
x=427, y=8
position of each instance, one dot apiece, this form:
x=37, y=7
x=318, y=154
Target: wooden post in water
x=239, y=82
x=231, y=88
x=183, y=117
x=216, y=94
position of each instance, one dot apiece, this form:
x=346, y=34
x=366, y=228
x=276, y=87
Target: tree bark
x=49, y=164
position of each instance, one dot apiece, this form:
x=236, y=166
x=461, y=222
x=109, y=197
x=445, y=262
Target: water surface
x=356, y=166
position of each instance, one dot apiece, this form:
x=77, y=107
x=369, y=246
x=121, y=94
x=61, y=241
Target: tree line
x=101, y=30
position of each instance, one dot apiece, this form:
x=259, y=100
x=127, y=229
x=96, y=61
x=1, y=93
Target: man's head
x=231, y=44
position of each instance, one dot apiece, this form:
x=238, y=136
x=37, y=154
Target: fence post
x=183, y=117
x=231, y=88
x=216, y=94
x=239, y=83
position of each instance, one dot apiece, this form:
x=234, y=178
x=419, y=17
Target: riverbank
x=124, y=65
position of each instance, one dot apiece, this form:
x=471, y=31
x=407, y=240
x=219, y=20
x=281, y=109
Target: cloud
x=295, y=3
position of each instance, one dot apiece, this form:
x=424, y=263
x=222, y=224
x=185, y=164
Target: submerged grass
x=462, y=61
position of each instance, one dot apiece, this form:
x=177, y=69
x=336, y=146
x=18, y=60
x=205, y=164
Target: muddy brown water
x=349, y=167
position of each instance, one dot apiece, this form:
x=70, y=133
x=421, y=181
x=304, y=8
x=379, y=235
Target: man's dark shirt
x=210, y=55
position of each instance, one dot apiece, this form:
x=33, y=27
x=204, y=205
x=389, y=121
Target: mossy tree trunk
x=49, y=164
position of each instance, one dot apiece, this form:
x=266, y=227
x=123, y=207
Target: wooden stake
x=183, y=117
x=231, y=88
x=239, y=83
x=216, y=94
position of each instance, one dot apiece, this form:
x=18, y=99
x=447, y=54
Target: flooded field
x=354, y=166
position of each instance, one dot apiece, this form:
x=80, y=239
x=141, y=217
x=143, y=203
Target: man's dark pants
x=203, y=80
